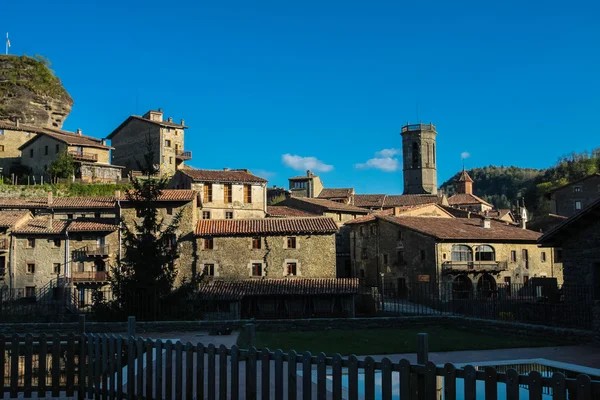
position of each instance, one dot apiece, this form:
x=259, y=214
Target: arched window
x=485, y=253
x=415, y=155
x=461, y=252
x=462, y=287
x=434, y=154
x=428, y=155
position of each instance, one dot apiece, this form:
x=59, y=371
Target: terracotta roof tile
x=237, y=290
x=83, y=202
x=70, y=138
x=326, y=205
x=464, y=177
x=283, y=211
x=411, y=200
x=369, y=200
x=238, y=176
x=23, y=202
x=39, y=225
x=275, y=226
x=465, y=198
x=10, y=218
x=172, y=195
x=464, y=229
x=92, y=225
x=336, y=193
x=138, y=118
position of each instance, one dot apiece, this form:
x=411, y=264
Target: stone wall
x=169, y=153
x=241, y=210
x=563, y=200
x=11, y=140
x=93, y=173
x=233, y=256
x=130, y=144
x=581, y=255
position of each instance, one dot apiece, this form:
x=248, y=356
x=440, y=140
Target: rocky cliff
x=31, y=93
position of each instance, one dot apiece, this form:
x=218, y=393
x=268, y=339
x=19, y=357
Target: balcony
x=78, y=155
x=92, y=251
x=474, y=266
x=183, y=155
x=3, y=244
x=89, y=276
x=418, y=127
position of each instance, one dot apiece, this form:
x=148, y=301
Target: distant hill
x=502, y=186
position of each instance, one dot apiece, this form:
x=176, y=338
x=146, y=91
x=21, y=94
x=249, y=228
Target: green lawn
x=389, y=341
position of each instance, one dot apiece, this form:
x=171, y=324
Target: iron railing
x=418, y=127
x=92, y=251
x=89, y=276
x=483, y=266
x=183, y=154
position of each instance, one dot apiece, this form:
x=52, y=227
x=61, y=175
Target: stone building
x=464, y=197
x=340, y=213
x=9, y=220
x=309, y=185
x=569, y=199
x=339, y=195
x=166, y=138
x=226, y=194
x=470, y=254
x=419, y=159
x=579, y=239
x=375, y=202
x=269, y=248
x=91, y=156
x=13, y=136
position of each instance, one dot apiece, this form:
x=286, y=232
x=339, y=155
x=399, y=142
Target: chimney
x=103, y=142
x=160, y=110
x=17, y=122
x=486, y=222
x=117, y=194
x=50, y=199
x=50, y=219
x=79, y=131
x=396, y=211
x=182, y=121
x=225, y=169
x=523, y=223
x=309, y=173
x=170, y=119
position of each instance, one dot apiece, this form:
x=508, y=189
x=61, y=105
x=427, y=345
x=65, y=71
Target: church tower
x=464, y=185
x=418, y=153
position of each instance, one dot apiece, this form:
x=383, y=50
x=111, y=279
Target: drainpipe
x=379, y=274
x=67, y=261
x=120, y=226
x=11, y=262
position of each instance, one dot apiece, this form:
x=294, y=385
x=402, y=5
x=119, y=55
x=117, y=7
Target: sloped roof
x=92, y=225
x=165, y=124
x=580, y=219
x=40, y=225
x=411, y=200
x=464, y=177
x=283, y=211
x=369, y=200
x=545, y=222
x=172, y=195
x=585, y=178
x=275, y=226
x=336, y=193
x=237, y=290
x=10, y=218
x=464, y=229
x=234, y=175
x=69, y=138
x=465, y=198
x=324, y=204
x=23, y=202
x=83, y=202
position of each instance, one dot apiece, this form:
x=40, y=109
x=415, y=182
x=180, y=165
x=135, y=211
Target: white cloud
x=386, y=153
x=263, y=173
x=386, y=164
x=465, y=154
x=303, y=163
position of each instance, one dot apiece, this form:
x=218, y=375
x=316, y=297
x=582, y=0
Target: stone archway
x=486, y=286
x=462, y=287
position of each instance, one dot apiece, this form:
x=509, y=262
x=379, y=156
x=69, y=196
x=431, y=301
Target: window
x=362, y=231
x=31, y=268
x=205, y=214
x=207, y=192
x=46, y=150
x=299, y=185
x=30, y=243
x=170, y=160
x=385, y=259
x=513, y=256
x=227, y=193
x=558, y=255
x=462, y=253
x=169, y=210
x=56, y=268
x=228, y=214
x=209, y=269
x=167, y=143
x=1, y=131
x=400, y=235
x=525, y=255
x=373, y=229
x=57, y=148
x=256, y=242
x=56, y=242
x=257, y=269
x=577, y=189
x=247, y=194
x=578, y=205
x=339, y=216
x=139, y=213
x=69, y=216
x=401, y=260
x=31, y=153
x=291, y=269
x=485, y=253
x=97, y=215
x=525, y=279
x=543, y=256
x=415, y=155
x=1, y=148
x=422, y=255
x=30, y=291
x=208, y=244
x=363, y=253
x=291, y=242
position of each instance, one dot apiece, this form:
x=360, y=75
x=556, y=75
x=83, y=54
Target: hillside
x=502, y=186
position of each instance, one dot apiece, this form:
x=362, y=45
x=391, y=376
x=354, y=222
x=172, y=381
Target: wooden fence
x=115, y=367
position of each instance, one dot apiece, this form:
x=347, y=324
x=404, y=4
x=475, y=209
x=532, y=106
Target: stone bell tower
x=418, y=154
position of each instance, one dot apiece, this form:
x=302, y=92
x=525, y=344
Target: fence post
x=131, y=326
x=422, y=359
x=251, y=334
x=82, y=324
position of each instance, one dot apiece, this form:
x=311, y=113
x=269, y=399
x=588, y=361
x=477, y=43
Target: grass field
x=389, y=341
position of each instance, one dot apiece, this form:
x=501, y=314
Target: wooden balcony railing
x=92, y=251
x=83, y=156
x=3, y=244
x=183, y=154
x=476, y=266
x=89, y=276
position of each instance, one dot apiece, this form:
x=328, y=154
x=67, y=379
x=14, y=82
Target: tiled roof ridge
x=226, y=227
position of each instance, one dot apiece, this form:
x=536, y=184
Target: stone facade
x=571, y=198
x=419, y=157
x=10, y=141
x=95, y=173
x=166, y=138
x=233, y=256
x=306, y=186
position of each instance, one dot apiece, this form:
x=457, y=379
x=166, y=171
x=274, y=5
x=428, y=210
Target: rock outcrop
x=31, y=93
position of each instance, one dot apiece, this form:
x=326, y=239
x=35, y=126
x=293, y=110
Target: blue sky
x=278, y=86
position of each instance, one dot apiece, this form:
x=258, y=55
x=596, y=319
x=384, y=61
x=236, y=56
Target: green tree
x=63, y=166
